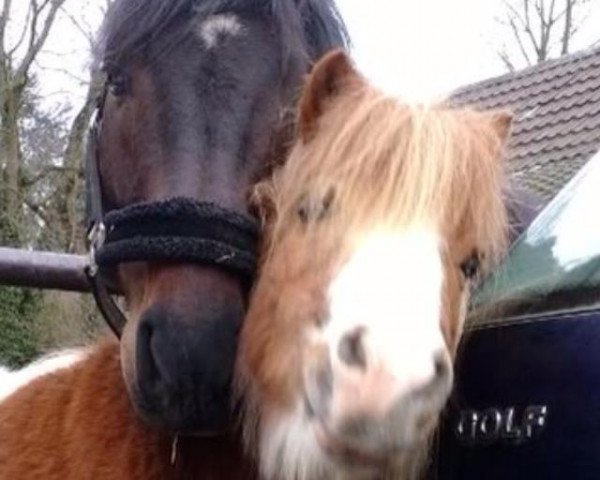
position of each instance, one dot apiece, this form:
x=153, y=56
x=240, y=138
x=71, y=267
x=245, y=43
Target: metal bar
x=54, y=271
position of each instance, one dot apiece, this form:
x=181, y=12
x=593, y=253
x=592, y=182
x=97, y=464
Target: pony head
x=377, y=226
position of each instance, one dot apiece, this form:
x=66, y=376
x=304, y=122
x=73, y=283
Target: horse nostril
x=352, y=350
x=147, y=363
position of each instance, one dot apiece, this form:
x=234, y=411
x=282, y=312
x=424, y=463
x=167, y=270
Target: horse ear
x=328, y=78
x=502, y=123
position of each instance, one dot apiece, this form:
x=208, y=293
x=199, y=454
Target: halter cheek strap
x=111, y=313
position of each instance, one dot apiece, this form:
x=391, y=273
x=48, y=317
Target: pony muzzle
x=360, y=409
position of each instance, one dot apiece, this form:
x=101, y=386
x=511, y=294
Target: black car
x=527, y=397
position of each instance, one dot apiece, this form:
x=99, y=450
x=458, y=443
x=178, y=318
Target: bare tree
x=540, y=29
x=49, y=185
x=16, y=61
x=41, y=165
x=74, y=151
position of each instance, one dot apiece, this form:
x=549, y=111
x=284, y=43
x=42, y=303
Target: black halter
x=174, y=230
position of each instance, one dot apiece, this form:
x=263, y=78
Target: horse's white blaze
x=11, y=381
x=392, y=288
x=215, y=27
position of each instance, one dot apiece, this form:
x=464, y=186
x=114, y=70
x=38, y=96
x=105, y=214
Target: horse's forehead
x=216, y=28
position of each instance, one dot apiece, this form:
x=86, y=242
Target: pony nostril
x=441, y=367
x=319, y=389
x=351, y=349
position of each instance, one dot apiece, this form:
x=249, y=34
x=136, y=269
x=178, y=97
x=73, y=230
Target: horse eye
x=470, y=267
x=117, y=83
x=310, y=208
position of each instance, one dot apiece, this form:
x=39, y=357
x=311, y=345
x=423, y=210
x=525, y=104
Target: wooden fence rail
x=54, y=271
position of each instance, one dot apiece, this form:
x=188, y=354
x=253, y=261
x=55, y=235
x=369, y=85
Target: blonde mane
x=421, y=162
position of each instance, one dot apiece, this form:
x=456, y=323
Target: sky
x=422, y=49
x=415, y=49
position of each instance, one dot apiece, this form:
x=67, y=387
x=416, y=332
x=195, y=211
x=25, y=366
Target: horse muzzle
x=183, y=365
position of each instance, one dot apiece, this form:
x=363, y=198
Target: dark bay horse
x=197, y=105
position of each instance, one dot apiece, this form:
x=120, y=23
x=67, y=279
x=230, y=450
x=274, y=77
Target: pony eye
x=470, y=267
x=310, y=208
x=117, y=83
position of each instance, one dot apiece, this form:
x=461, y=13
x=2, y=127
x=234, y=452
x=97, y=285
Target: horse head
x=195, y=108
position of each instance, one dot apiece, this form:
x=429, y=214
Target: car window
x=555, y=264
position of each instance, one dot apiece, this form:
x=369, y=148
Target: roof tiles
x=557, y=117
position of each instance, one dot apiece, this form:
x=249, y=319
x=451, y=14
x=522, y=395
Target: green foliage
x=67, y=320
x=18, y=312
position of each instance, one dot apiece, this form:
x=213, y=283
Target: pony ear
x=328, y=78
x=502, y=123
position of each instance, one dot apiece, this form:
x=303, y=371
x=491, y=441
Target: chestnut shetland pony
x=375, y=229
x=377, y=225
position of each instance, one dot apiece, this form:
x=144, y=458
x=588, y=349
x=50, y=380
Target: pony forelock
x=421, y=163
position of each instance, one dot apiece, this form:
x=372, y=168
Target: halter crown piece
x=178, y=230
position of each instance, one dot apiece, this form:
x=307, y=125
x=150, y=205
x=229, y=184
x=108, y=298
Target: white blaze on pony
x=375, y=229
x=385, y=306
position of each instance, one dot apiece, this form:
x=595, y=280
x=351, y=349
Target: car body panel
x=526, y=403
x=547, y=372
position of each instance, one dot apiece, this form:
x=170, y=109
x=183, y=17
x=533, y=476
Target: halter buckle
x=96, y=239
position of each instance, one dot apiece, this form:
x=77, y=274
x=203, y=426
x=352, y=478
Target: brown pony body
x=78, y=423
x=375, y=229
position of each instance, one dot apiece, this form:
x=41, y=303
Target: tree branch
x=528, y=30
x=64, y=71
x=3, y=22
x=520, y=43
x=38, y=210
x=546, y=31
x=568, y=28
x=85, y=31
x=540, y=10
x=36, y=42
x=541, y=27
x=524, y=21
x=47, y=170
x=506, y=60
x=23, y=34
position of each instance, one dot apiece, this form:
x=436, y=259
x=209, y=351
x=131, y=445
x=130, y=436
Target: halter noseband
x=175, y=230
